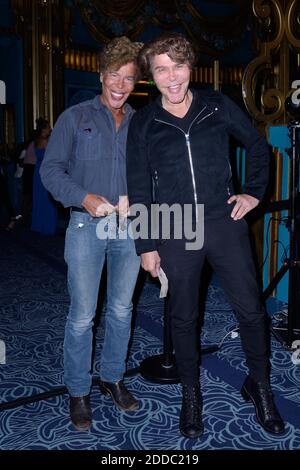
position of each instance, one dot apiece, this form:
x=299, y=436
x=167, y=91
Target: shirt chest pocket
x=88, y=144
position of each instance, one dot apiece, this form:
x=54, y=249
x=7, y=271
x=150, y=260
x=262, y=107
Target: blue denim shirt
x=86, y=154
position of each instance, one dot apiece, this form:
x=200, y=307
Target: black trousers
x=227, y=249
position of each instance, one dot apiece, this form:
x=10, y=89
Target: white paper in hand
x=164, y=283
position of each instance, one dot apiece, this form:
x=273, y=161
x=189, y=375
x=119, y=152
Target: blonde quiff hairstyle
x=118, y=52
x=175, y=45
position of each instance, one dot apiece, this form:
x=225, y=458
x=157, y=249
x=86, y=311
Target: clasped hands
x=99, y=206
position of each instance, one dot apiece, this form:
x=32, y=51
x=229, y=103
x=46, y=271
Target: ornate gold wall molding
x=211, y=34
x=42, y=60
x=85, y=60
x=22, y=26
x=292, y=20
x=214, y=35
x=41, y=26
x=119, y=8
x=47, y=58
x=267, y=79
x=274, y=224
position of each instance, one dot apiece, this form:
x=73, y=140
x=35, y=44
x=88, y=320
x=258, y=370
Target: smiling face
x=171, y=78
x=117, y=84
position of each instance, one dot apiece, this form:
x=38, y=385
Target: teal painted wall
x=279, y=138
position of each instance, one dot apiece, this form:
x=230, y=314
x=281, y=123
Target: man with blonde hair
x=84, y=168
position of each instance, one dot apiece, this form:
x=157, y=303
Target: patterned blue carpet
x=34, y=304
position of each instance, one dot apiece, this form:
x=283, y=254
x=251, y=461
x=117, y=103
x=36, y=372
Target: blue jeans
x=85, y=255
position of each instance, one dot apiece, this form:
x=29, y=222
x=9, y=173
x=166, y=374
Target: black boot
x=190, y=424
x=260, y=394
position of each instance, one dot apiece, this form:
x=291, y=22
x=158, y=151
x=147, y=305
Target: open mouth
x=174, y=88
x=117, y=96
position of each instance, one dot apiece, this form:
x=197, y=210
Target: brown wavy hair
x=175, y=45
x=118, y=52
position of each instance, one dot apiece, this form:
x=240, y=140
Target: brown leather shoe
x=120, y=395
x=81, y=413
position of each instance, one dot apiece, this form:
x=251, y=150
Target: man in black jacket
x=180, y=143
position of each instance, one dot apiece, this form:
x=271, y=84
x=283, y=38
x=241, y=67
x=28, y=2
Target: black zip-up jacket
x=191, y=165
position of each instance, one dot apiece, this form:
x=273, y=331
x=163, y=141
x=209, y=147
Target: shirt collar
x=97, y=104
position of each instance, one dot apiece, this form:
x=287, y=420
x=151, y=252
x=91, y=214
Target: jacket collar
x=199, y=97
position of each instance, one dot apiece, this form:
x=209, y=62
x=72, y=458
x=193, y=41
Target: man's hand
x=123, y=207
x=151, y=262
x=243, y=204
x=97, y=206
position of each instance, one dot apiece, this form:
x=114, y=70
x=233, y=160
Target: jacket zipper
x=156, y=184
x=188, y=144
x=230, y=175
